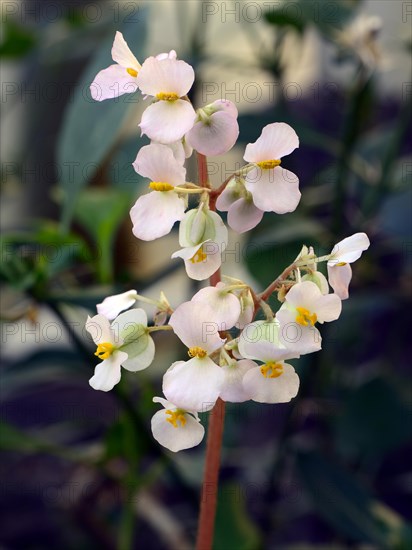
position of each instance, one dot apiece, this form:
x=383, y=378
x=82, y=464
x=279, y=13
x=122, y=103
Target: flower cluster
x=230, y=355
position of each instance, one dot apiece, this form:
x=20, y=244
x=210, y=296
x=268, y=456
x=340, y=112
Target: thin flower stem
x=160, y=327
x=202, y=171
x=191, y=191
x=277, y=282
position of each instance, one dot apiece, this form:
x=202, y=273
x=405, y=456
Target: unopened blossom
x=113, y=305
x=155, y=213
x=243, y=215
x=274, y=381
x=224, y=304
x=247, y=308
x=273, y=188
x=303, y=308
x=194, y=385
x=344, y=253
x=203, y=236
x=125, y=343
x=216, y=128
x=308, y=255
x=175, y=428
x=170, y=117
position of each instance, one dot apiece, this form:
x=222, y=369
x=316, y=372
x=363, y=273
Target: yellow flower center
x=271, y=370
x=268, y=164
x=200, y=256
x=104, y=350
x=131, y=72
x=305, y=318
x=167, y=96
x=175, y=417
x=160, y=186
x=197, y=352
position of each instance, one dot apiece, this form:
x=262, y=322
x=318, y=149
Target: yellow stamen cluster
x=131, y=72
x=268, y=164
x=200, y=256
x=160, y=186
x=271, y=370
x=104, y=350
x=165, y=96
x=175, y=417
x=197, y=352
x=305, y=318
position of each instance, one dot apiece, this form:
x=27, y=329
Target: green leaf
x=347, y=506
x=234, y=528
x=17, y=41
x=90, y=128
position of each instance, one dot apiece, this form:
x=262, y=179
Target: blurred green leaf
x=90, y=128
x=234, y=528
x=283, y=18
x=348, y=507
x=17, y=41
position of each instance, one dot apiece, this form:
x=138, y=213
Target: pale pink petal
x=272, y=390
x=225, y=306
x=171, y=55
x=107, y=373
x=275, y=190
x=350, y=249
x=157, y=162
x=295, y=337
x=328, y=308
x=122, y=54
x=216, y=137
x=243, y=216
x=112, y=82
x=226, y=106
x=167, y=121
x=176, y=438
x=305, y=294
x=228, y=196
x=339, y=278
x=165, y=75
x=276, y=141
x=199, y=271
x=233, y=389
x=113, y=305
x=154, y=214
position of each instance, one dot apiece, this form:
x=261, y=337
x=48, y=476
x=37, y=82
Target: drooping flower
x=154, y=214
x=216, y=128
x=344, y=253
x=274, y=381
x=113, y=305
x=194, y=385
x=203, y=236
x=175, y=428
x=224, y=305
x=125, y=342
x=273, y=189
x=170, y=117
x=243, y=214
x=304, y=306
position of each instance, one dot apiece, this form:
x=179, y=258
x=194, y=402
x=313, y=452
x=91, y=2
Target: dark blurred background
x=80, y=468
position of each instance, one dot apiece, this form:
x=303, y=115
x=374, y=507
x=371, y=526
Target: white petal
x=306, y=294
x=233, y=389
x=244, y=216
x=154, y=214
x=113, y=305
x=194, y=323
x=122, y=54
x=166, y=404
x=99, y=329
x=328, y=308
x=167, y=121
x=297, y=338
x=274, y=190
x=216, y=137
x=228, y=196
x=247, y=310
x=131, y=329
x=339, y=278
x=276, y=141
x=225, y=306
x=272, y=390
x=176, y=438
x=193, y=385
x=226, y=106
x=200, y=271
x=165, y=75
x=107, y=373
x=140, y=360
x=319, y=279
x=157, y=162
x=178, y=150
x=350, y=249
x=112, y=82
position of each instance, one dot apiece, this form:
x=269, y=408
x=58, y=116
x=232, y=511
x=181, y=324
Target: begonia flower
x=237, y=201
x=113, y=305
x=224, y=305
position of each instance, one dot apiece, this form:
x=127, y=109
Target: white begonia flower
x=195, y=385
x=216, y=129
x=125, y=343
x=273, y=189
x=225, y=305
x=275, y=381
x=167, y=80
x=344, y=253
x=304, y=306
x=155, y=213
x=175, y=428
x=243, y=215
x=203, y=236
x=113, y=305
x=233, y=389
